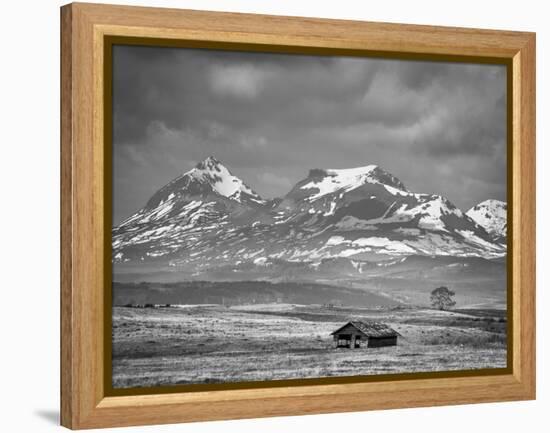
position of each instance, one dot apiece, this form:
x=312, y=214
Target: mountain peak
x=213, y=173
x=209, y=163
x=492, y=203
x=209, y=177
x=327, y=181
x=491, y=215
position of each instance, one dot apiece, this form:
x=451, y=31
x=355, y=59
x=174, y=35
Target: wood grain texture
x=84, y=26
x=66, y=375
x=525, y=224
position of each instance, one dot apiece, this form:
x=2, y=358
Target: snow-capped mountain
x=204, y=198
x=208, y=220
x=492, y=216
x=210, y=182
x=369, y=195
x=209, y=178
x=322, y=183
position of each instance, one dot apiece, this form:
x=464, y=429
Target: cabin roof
x=370, y=329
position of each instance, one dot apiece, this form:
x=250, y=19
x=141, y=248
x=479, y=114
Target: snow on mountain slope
x=321, y=182
x=430, y=211
x=339, y=180
x=209, y=219
x=209, y=181
x=492, y=216
x=369, y=198
x=203, y=200
x=209, y=178
x=222, y=181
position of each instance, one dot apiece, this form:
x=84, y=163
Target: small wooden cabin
x=357, y=334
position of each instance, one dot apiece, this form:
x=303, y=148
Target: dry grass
x=215, y=344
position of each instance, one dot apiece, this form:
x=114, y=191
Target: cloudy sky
x=439, y=127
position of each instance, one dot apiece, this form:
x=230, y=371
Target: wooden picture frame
x=86, y=30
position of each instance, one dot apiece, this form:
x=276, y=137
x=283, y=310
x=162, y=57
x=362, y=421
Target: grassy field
x=214, y=344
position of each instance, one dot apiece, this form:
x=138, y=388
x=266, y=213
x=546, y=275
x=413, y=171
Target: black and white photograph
x=286, y=216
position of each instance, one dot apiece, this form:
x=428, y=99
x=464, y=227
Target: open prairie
x=214, y=343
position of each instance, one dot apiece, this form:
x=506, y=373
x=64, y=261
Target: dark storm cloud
x=439, y=127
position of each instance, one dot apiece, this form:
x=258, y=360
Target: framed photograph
x=267, y=215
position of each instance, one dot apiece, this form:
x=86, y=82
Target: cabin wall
x=352, y=335
x=382, y=341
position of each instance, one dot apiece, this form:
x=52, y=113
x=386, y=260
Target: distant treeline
x=242, y=292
